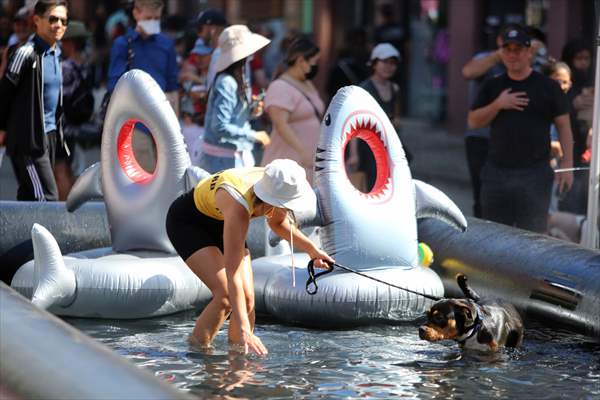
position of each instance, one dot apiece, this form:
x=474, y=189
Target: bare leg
x=64, y=178
x=207, y=264
x=249, y=295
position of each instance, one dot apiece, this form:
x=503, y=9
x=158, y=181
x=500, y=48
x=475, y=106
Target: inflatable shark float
x=141, y=276
x=374, y=233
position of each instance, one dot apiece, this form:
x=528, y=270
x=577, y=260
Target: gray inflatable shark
x=374, y=232
x=140, y=276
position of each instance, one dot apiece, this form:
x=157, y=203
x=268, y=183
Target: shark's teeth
x=383, y=138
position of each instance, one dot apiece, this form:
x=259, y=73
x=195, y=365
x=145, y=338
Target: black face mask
x=314, y=69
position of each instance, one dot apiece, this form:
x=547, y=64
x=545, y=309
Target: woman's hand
x=258, y=107
x=322, y=259
x=584, y=100
x=251, y=343
x=263, y=138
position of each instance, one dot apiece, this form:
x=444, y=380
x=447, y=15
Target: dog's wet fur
x=472, y=322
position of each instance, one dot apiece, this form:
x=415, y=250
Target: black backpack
x=79, y=107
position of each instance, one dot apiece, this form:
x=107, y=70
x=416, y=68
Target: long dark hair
x=300, y=47
x=236, y=70
x=580, y=78
x=572, y=48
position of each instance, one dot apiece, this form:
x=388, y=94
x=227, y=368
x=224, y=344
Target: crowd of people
x=528, y=144
x=231, y=110
x=235, y=113
x=529, y=130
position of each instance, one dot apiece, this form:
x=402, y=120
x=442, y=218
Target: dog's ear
x=464, y=314
x=468, y=313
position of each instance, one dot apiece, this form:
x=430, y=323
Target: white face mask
x=150, y=26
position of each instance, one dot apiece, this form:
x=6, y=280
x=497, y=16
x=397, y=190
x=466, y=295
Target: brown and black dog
x=474, y=324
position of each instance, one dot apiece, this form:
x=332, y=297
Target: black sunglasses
x=54, y=19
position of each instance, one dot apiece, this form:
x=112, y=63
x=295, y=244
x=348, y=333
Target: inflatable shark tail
x=433, y=203
x=54, y=284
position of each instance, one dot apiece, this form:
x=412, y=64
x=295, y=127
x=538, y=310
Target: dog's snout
x=422, y=332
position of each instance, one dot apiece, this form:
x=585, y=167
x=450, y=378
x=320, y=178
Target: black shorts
x=190, y=230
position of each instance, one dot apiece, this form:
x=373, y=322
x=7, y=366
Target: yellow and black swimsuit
x=194, y=221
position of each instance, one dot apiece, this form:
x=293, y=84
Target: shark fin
x=54, y=283
x=433, y=203
x=87, y=187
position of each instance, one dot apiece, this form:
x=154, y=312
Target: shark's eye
x=327, y=120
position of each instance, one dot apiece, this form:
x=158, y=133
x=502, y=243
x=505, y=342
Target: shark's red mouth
x=366, y=126
x=126, y=155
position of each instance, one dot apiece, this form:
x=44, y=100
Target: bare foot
x=198, y=345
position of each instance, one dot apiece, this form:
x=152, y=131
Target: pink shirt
x=302, y=120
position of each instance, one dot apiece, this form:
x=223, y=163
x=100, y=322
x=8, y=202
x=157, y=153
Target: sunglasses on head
x=54, y=19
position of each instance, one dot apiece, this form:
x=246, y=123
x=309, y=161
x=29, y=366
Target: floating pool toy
x=140, y=276
x=374, y=232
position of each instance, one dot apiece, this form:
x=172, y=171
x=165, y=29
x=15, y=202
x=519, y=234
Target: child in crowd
x=561, y=73
x=563, y=225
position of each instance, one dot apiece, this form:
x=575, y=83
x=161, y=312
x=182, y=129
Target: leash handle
x=312, y=277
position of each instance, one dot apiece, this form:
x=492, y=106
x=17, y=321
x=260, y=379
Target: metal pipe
x=550, y=280
x=590, y=233
x=43, y=357
x=86, y=228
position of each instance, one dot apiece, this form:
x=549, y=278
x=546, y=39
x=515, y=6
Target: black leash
x=312, y=279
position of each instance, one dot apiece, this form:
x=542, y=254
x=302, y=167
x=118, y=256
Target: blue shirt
x=154, y=55
x=52, y=76
x=226, y=123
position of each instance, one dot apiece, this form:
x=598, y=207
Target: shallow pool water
x=371, y=362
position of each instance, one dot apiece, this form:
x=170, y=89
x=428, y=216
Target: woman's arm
x=236, y=221
x=225, y=101
x=280, y=224
x=280, y=118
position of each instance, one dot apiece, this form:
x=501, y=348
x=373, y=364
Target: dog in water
x=473, y=323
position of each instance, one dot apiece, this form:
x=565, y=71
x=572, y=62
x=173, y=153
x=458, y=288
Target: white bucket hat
x=237, y=42
x=284, y=185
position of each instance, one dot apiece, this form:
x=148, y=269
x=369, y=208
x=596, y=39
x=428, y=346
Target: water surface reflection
x=374, y=362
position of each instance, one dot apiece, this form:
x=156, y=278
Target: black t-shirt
x=521, y=139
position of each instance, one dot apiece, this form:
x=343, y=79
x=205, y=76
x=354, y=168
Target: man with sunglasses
x=31, y=104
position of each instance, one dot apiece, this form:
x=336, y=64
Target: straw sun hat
x=237, y=42
x=284, y=185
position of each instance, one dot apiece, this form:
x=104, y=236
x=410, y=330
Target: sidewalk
x=438, y=159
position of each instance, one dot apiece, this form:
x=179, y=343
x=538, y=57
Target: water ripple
x=374, y=362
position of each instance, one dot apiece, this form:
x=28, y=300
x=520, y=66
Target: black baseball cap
x=516, y=35
x=211, y=17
